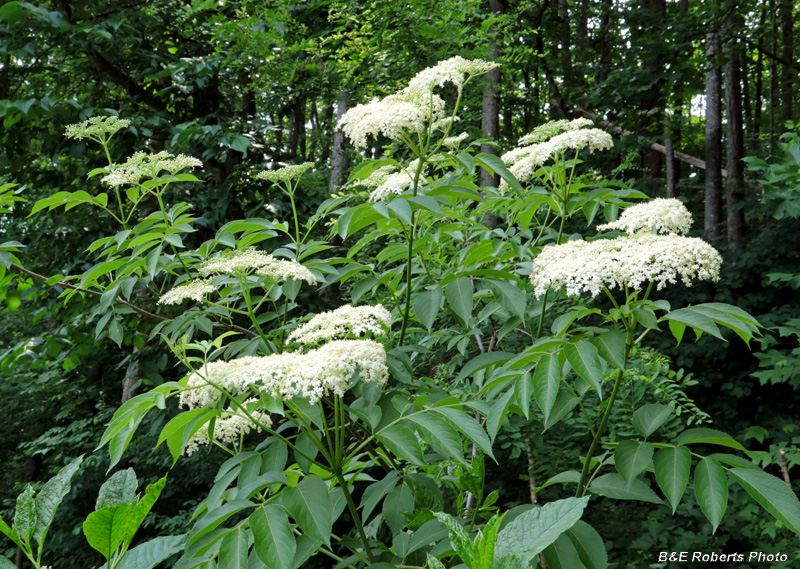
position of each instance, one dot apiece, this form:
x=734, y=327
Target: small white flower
x=142, y=165
x=285, y=174
x=345, y=320
x=244, y=262
x=550, y=129
x=96, y=128
x=454, y=141
x=230, y=426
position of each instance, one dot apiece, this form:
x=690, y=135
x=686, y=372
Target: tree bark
x=652, y=103
x=773, y=75
x=603, y=43
x=735, y=150
x=339, y=156
x=787, y=74
x=490, y=117
x=713, y=186
x=759, y=79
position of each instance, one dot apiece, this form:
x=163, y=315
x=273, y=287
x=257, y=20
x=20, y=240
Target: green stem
x=544, y=303
x=583, y=482
x=251, y=312
x=354, y=512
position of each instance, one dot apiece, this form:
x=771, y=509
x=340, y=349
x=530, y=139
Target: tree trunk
x=603, y=43
x=652, y=103
x=759, y=78
x=787, y=74
x=735, y=150
x=672, y=183
x=713, y=195
x=490, y=117
x=339, y=156
x=773, y=75
x=565, y=41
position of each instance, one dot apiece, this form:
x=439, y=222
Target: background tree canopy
x=701, y=100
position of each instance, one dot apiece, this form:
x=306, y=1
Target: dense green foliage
x=245, y=87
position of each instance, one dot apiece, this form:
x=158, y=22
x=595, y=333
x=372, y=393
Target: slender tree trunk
x=773, y=75
x=603, y=43
x=713, y=195
x=565, y=41
x=529, y=102
x=490, y=117
x=672, y=186
x=748, y=102
x=787, y=74
x=735, y=150
x=339, y=156
x=325, y=153
x=655, y=12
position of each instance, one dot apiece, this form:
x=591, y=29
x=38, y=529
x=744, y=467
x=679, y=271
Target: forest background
x=688, y=89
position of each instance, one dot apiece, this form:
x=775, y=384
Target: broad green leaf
x=6, y=563
x=565, y=403
x=213, y=519
x=708, y=436
x=546, y=382
x=274, y=541
x=398, y=501
x=183, y=427
x=615, y=486
x=51, y=495
x=611, y=347
x=375, y=492
x=672, y=465
x=711, y=490
x=151, y=553
x=25, y=514
x=508, y=296
x=459, y=297
x=589, y=545
x=482, y=361
x=648, y=418
x=585, y=360
x=306, y=547
x=432, y=531
x=459, y=538
x=532, y=531
x=469, y=426
x=632, y=458
x=427, y=305
x=233, y=550
x=496, y=165
x=119, y=489
x=439, y=433
x=309, y=503
x=694, y=319
x=105, y=529
x=144, y=505
x=773, y=495
x=401, y=209
x=646, y=317
x=562, y=554
x=9, y=533
x=402, y=442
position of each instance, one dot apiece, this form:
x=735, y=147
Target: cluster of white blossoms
x=96, y=128
x=525, y=160
x=194, y=290
x=456, y=70
x=389, y=180
x=323, y=371
x=661, y=216
x=285, y=174
x=454, y=141
x=243, y=262
x=550, y=129
x=654, y=251
x=142, y=165
x=412, y=109
x=229, y=427
x=346, y=320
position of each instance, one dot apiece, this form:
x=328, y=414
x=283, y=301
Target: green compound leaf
x=403, y=443
x=708, y=436
x=459, y=296
x=25, y=514
x=427, y=305
x=532, y=531
x=632, y=458
x=772, y=493
x=233, y=550
x=615, y=486
x=585, y=360
x=672, y=465
x=711, y=490
x=274, y=541
x=588, y=544
x=309, y=503
x=153, y=552
x=546, y=382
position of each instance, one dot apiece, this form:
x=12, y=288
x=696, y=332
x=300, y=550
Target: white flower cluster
x=345, y=320
x=455, y=70
x=195, y=290
x=454, y=141
x=662, y=216
x=142, y=165
x=285, y=174
x=229, y=426
x=550, y=129
x=412, y=109
x=96, y=128
x=242, y=262
x=388, y=180
x=319, y=372
x=524, y=161
x=581, y=266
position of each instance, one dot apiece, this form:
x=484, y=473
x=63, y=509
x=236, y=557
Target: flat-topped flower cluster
x=653, y=251
x=553, y=140
x=345, y=321
x=149, y=166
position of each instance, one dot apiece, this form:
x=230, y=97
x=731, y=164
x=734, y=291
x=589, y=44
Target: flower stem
x=354, y=512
